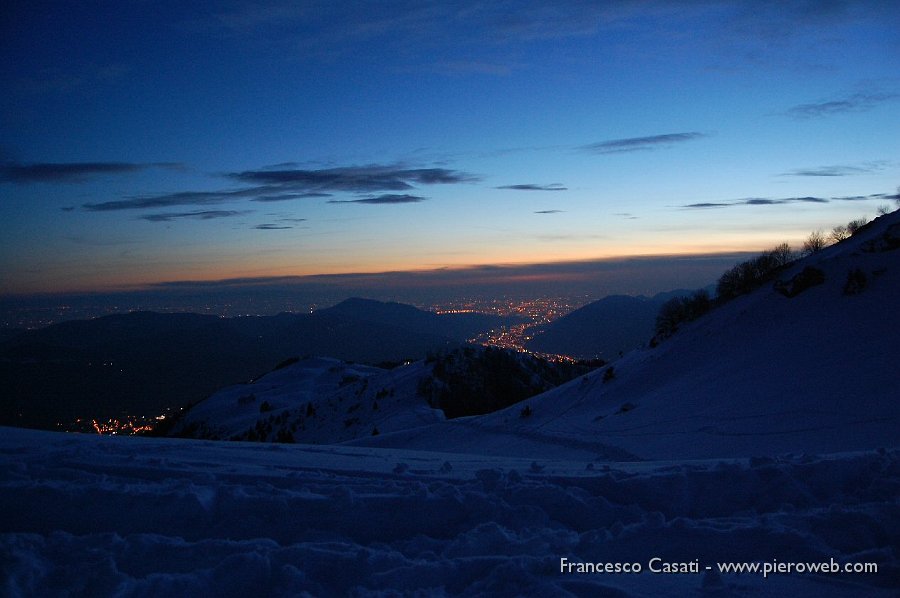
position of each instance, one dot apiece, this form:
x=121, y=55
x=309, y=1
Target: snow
x=314, y=400
x=91, y=515
x=762, y=375
x=764, y=432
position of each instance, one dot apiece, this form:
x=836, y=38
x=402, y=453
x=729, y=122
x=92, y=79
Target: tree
x=783, y=254
x=814, y=242
x=854, y=225
x=839, y=233
x=681, y=309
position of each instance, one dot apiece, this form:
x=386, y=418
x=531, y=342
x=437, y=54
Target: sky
x=150, y=143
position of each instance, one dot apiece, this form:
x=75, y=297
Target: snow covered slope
x=321, y=401
x=122, y=516
x=765, y=374
x=313, y=400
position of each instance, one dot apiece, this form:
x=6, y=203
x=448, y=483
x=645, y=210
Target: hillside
x=764, y=374
x=457, y=326
x=326, y=401
x=145, y=362
x=603, y=328
x=315, y=401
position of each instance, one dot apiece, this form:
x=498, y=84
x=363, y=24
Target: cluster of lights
x=126, y=425
x=539, y=311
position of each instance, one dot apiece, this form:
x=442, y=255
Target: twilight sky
x=144, y=142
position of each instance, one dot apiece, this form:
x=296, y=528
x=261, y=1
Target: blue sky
x=146, y=142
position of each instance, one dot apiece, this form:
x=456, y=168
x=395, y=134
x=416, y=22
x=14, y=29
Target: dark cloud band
x=277, y=185
x=765, y=201
x=383, y=199
x=534, y=187
x=354, y=178
x=634, y=144
x=71, y=172
x=199, y=215
x=837, y=170
x=859, y=102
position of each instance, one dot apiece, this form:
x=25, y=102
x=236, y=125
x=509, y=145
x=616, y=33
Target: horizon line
x=336, y=278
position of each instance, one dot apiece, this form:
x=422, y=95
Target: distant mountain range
x=603, y=329
x=144, y=362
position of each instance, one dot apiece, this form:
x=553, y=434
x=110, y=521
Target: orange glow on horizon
x=207, y=269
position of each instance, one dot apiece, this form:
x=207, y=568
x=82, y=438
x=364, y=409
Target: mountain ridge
x=145, y=362
x=763, y=374
x=604, y=328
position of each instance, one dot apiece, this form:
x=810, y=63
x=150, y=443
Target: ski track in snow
x=88, y=516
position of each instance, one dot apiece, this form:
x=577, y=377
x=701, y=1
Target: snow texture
x=90, y=515
x=765, y=431
x=315, y=400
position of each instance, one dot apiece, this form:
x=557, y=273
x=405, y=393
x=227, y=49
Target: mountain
x=145, y=362
x=459, y=326
x=603, y=328
x=807, y=364
x=690, y=468
x=315, y=401
x=325, y=401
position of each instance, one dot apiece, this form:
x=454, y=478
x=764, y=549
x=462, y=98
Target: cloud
x=707, y=205
x=181, y=198
x=289, y=196
x=873, y=196
x=354, y=178
x=265, y=193
x=469, y=37
x=271, y=227
x=859, y=102
x=71, y=172
x=755, y=201
x=383, y=199
x=549, y=212
x=199, y=215
x=276, y=185
x=634, y=144
x=761, y=201
x=838, y=170
x=534, y=187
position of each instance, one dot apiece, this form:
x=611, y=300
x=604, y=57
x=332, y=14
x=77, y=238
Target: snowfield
x=763, y=434
x=90, y=515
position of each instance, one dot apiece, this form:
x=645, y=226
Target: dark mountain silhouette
x=143, y=362
x=398, y=315
x=604, y=328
